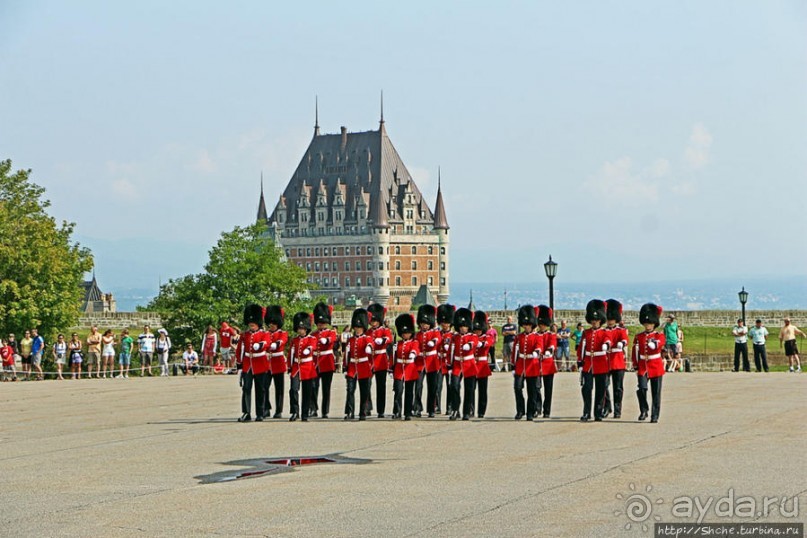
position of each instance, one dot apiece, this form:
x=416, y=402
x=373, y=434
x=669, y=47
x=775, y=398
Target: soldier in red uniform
x=277, y=358
x=463, y=363
x=302, y=366
x=428, y=362
x=326, y=338
x=252, y=361
x=406, y=357
x=616, y=355
x=445, y=317
x=481, y=353
x=647, y=360
x=546, y=369
x=382, y=337
x=526, y=353
x=359, y=365
x=592, y=358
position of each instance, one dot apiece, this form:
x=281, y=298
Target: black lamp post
x=551, y=269
x=743, y=299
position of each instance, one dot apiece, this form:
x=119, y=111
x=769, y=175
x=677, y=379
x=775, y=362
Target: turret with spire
x=262, y=214
x=316, y=116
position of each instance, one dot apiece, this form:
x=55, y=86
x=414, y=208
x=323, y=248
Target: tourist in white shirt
x=740, y=332
x=145, y=345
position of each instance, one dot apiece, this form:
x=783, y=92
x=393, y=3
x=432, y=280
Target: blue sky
x=631, y=140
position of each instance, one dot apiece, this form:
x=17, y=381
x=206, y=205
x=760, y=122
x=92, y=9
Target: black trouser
x=409, y=396
x=309, y=400
x=655, y=390
x=548, y=382
x=195, y=368
x=518, y=388
x=617, y=380
x=418, y=404
x=247, y=380
x=760, y=357
x=294, y=395
x=600, y=386
x=280, y=382
x=741, y=349
x=397, y=396
x=380, y=391
x=532, y=396
x=325, y=379
x=454, y=392
x=442, y=381
x=364, y=396
x=432, y=398
x=587, y=385
x=482, y=385
x=312, y=402
x=468, y=398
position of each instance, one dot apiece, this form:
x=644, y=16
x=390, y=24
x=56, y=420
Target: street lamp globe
x=551, y=268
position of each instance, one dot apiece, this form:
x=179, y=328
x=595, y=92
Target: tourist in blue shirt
x=37, y=347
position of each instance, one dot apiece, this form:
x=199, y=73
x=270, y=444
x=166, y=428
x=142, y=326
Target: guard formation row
x=441, y=346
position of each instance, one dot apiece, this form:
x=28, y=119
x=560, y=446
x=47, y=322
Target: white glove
x=480, y=344
x=323, y=341
x=446, y=346
x=620, y=345
x=256, y=346
x=412, y=355
x=273, y=347
x=652, y=344
x=368, y=349
x=534, y=355
x=605, y=347
x=466, y=347
x=430, y=343
x=379, y=341
x=547, y=354
x=307, y=351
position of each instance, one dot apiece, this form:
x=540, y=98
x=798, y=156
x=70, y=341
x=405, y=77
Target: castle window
x=431, y=249
x=410, y=229
x=442, y=266
x=358, y=266
x=414, y=281
x=431, y=281
x=410, y=214
x=442, y=281
x=414, y=250
x=397, y=250
x=308, y=266
x=398, y=265
x=326, y=281
x=380, y=266
x=316, y=266
x=347, y=268
x=316, y=251
x=430, y=265
x=369, y=265
x=300, y=252
x=288, y=252
x=338, y=215
x=414, y=266
x=320, y=230
x=369, y=251
x=442, y=251
x=308, y=252
x=327, y=251
x=325, y=266
x=397, y=281
x=361, y=214
x=397, y=300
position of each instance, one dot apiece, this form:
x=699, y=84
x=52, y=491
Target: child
x=647, y=360
x=7, y=355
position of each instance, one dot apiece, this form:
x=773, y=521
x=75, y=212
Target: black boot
x=244, y=418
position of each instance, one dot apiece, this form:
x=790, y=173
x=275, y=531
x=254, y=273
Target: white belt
x=407, y=361
x=382, y=352
x=278, y=354
x=430, y=353
x=524, y=356
x=256, y=355
x=595, y=354
x=328, y=352
x=306, y=360
x=649, y=357
x=359, y=360
x=468, y=358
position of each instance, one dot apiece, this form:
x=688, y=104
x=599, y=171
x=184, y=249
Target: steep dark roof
x=423, y=296
x=364, y=168
x=91, y=290
x=440, y=219
x=262, y=205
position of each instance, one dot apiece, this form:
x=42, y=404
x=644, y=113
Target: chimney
x=344, y=137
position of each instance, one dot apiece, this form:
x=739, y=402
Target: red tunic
x=593, y=350
x=381, y=337
x=444, y=351
x=526, y=350
x=324, y=350
x=616, y=356
x=463, y=360
x=481, y=353
x=549, y=342
x=226, y=337
x=251, y=351
x=406, y=354
x=646, y=354
x=277, y=351
x=302, y=357
x=359, y=354
x=428, y=342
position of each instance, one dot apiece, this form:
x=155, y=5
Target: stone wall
x=118, y=320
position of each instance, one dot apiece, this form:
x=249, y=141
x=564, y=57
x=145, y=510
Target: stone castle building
x=353, y=218
x=94, y=300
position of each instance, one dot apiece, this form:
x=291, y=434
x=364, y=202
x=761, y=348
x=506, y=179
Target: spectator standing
x=577, y=336
x=76, y=357
x=12, y=342
x=509, y=332
x=145, y=346
x=226, y=334
x=25, y=353
x=210, y=342
x=107, y=354
x=493, y=336
x=37, y=348
x=190, y=360
x=163, y=346
x=671, y=354
x=787, y=335
x=94, y=352
x=125, y=357
x=562, y=353
x=759, y=336
x=60, y=355
x=7, y=356
x=740, y=332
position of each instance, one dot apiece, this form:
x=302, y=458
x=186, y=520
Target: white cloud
x=204, y=163
x=618, y=183
x=660, y=168
x=124, y=187
x=697, y=153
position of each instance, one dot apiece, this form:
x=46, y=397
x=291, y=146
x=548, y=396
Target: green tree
x=41, y=269
x=245, y=266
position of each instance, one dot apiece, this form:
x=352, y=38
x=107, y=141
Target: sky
x=631, y=140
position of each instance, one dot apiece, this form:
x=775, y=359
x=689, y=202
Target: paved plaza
x=142, y=457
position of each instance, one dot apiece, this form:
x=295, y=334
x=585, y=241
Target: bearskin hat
x=543, y=315
x=253, y=313
x=377, y=312
x=595, y=310
x=480, y=322
x=302, y=320
x=650, y=313
x=445, y=313
x=405, y=323
x=526, y=315
x=426, y=314
x=360, y=319
x=613, y=310
x=274, y=315
x=323, y=313
x=462, y=318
